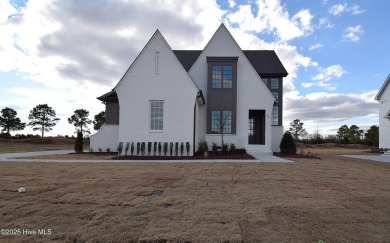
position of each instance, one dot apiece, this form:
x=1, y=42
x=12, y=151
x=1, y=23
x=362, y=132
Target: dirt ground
x=37, y=144
x=333, y=199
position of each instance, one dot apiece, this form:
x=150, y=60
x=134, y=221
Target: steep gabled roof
x=385, y=84
x=187, y=58
x=265, y=62
x=110, y=96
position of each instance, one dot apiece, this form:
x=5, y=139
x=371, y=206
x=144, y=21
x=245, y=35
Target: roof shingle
x=265, y=62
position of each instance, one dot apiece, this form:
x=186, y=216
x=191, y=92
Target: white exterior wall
x=252, y=93
x=106, y=137
x=172, y=85
x=277, y=134
x=384, y=124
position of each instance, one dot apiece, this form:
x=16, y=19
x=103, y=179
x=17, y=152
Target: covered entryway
x=256, y=127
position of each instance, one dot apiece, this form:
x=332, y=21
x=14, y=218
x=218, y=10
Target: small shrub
x=149, y=148
x=143, y=148
x=91, y=150
x=203, y=147
x=108, y=150
x=287, y=145
x=165, y=148
x=232, y=148
x=176, y=148
x=132, y=148
x=171, y=148
x=214, y=147
x=100, y=149
x=154, y=148
x=159, y=148
x=188, y=148
x=138, y=148
x=181, y=148
x=127, y=148
x=119, y=148
x=225, y=148
x=78, y=146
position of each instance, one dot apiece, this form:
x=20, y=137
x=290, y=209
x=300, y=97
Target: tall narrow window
x=227, y=77
x=274, y=83
x=157, y=60
x=156, y=115
x=227, y=122
x=276, y=95
x=222, y=77
x=215, y=121
x=216, y=77
x=275, y=115
x=221, y=120
x=265, y=81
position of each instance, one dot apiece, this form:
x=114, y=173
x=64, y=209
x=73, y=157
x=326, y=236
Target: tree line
x=43, y=118
x=345, y=134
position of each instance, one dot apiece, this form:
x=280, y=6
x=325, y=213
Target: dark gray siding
x=112, y=113
x=280, y=91
x=222, y=99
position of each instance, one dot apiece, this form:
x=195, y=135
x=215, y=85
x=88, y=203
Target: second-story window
x=221, y=76
x=274, y=83
x=276, y=95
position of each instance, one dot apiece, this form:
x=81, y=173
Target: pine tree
x=287, y=145
x=9, y=121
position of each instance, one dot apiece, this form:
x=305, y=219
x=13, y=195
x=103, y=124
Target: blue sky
x=66, y=53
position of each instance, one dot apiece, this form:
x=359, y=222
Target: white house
x=383, y=97
x=188, y=96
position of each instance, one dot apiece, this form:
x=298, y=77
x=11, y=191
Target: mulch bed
x=239, y=155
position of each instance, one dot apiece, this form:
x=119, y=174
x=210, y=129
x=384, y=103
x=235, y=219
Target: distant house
x=188, y=96
x=383, y=97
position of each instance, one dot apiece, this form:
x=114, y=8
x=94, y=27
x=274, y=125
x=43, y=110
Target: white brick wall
x=141, y=84
x=384, y=124
x=106, y=137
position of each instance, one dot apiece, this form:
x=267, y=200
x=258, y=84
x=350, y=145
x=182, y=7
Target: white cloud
x=315, y=46
x=324, y=108
x=6, y=10
x=339, y=9
x=246, y=20
x=307, y=85
x=272, y=17
x=355, y=10
x=325, y=23
x=334, y=71
x=353, y=33
x=231, y=3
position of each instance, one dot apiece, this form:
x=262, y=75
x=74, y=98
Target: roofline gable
x=383, y=88
x=157, y=32
x=222, y=25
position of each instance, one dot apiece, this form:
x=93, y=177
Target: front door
x=256, y=127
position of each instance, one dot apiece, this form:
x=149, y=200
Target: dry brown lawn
x=333, y=199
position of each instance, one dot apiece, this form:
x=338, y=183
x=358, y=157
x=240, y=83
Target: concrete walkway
x=380, y=158
x=269, y=157
x=38, y=153
x=260, y=157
